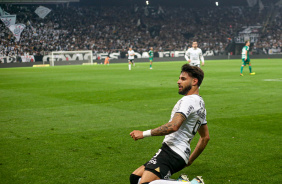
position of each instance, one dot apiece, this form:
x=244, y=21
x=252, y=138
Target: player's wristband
x=147, y=133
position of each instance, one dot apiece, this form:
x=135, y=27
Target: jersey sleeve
x=187, y=55
x=186, y=106
x=205, y=120
x=200, y=52
x=201, y=56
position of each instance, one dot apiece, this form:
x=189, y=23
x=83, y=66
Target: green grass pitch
x=71, y=124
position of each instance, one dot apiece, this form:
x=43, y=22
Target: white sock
x=129, y=66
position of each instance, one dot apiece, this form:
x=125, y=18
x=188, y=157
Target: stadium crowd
x=272, y=37
x=110, y=29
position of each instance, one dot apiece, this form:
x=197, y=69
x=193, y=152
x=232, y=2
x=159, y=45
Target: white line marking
x=276, y=80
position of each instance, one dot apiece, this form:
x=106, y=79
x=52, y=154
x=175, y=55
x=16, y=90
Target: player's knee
x=134, y=179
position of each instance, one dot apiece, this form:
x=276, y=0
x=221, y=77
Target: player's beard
x=185, y=90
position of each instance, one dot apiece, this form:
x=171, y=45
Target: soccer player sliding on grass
x=187, y=118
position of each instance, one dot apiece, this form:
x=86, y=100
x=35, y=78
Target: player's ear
x=194, y=81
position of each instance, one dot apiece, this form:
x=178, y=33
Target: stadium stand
x=104, y=29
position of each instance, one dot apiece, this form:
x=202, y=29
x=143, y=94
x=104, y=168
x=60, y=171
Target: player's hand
x=203, y=64
x=189, y=61
x=136, y=134
x=245, y=59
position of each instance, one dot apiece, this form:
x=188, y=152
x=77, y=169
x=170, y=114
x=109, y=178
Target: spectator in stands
x=95, y=28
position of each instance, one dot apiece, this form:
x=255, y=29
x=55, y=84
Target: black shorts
x=131, y=60
x=165, y=163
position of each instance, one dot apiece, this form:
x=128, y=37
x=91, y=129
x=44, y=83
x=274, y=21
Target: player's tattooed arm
x=169, y=127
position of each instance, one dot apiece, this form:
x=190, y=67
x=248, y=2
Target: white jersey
x=130, y=54
x=193, y=108
x=195, y=55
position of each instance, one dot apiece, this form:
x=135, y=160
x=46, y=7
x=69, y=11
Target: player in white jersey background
x=130, y=54
x=194, y=55
x=187, y=118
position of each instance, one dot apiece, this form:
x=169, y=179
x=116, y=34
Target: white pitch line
x=276, y=80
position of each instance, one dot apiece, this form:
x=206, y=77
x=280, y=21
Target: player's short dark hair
x=193, y=71
x=247, y=41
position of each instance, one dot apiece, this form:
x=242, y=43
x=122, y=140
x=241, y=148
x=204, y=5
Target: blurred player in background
x=246, y=58
x=130, y=54
x=194, y=55
x=151, y=56
x=187, y=118
x=107, y=60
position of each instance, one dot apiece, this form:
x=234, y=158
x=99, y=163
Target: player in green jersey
x=246, y=58
x=151, y=56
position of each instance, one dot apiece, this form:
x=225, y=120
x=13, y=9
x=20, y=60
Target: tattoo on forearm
x=170, y=126
x=163, y=130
